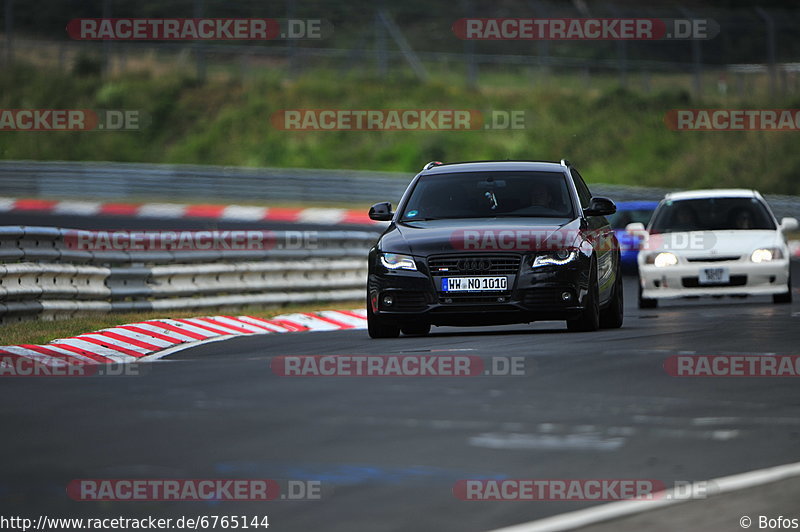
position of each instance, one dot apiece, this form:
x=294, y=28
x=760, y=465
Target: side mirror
x=635, y=228
x=599, y=206
x=789, y=224
x=381, y=212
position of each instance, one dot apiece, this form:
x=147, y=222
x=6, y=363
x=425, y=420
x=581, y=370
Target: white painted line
x=181, y=347
x=359, y=323
x=7, y=204
x=162, y=210
x=73, y=354
x=34, y=355
x=322, y=216
x=114, y=342
x=308, y=321
x=191, y=328
x=158, y=342
x=274, y=327
x=242, y=212
x=213, y=324
x=116, y=356
x=84, y=208
x=619, y=509
x=241, y=324
x=164, y=331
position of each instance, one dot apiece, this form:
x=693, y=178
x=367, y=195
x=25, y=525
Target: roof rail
x=565, y=162
x=432, y=164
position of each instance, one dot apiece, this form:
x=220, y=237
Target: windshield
x=621, y=218
x=712, y=214
x=489, y=194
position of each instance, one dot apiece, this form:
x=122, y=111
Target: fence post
x=770, y=22
x=290, y=59
x=199, y=52
x=9, y=14
x=106, y=43
x=471, y=66
x=697, y=58
x=380, y=44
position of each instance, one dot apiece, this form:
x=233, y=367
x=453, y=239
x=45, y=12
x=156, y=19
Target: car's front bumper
x=682, y=280
x=532, y=294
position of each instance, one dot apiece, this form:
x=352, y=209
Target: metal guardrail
x=177, y=182
x=41, y=276
x=104, y=180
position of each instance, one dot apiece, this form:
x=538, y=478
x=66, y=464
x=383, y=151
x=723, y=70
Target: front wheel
x=784, y=298
x=589, y=319
x=378, y=327
x=613, y=315
x=646, y=302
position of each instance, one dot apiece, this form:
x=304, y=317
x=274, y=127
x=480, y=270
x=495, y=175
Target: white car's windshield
x=712, y=214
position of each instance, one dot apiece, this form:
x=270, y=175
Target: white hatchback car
x=713, y=243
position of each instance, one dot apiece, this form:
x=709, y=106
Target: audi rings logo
x=474, y=265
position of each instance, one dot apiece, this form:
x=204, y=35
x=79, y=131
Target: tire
x=782, y=299
x=614, y=314
x=645, y=302
x=416, y=329
x=589, y=319
x=378, y=327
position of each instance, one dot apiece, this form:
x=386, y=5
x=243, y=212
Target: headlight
x=555, y=258
x=662, y=260
x=766, y=255
x=394, y=261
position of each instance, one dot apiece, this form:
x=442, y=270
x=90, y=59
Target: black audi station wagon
x=491, y=243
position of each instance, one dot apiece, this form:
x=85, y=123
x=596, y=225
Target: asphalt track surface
x=388, y=451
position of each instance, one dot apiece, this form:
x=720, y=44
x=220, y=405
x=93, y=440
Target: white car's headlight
x=555, y=258
x=662, y=260
x=766, y=254
x=395, y=261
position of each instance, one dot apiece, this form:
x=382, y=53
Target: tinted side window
x=583, y=191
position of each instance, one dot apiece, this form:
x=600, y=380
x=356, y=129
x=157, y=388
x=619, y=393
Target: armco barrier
x=133, y=181
x=42, y=277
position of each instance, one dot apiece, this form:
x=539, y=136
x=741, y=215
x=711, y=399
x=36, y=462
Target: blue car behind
x=630, y=212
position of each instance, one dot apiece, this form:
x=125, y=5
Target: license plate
x=473, y=284
x=714, y=276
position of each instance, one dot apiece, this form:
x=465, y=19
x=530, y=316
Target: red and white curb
x=241, y=213
x=154, y=339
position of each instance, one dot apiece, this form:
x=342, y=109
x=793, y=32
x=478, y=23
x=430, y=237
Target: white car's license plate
x=714, y=276
x=473, y=284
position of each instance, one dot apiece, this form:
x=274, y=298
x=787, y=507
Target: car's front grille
x=694, y=282
x=475, y=264
x=714, y=259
